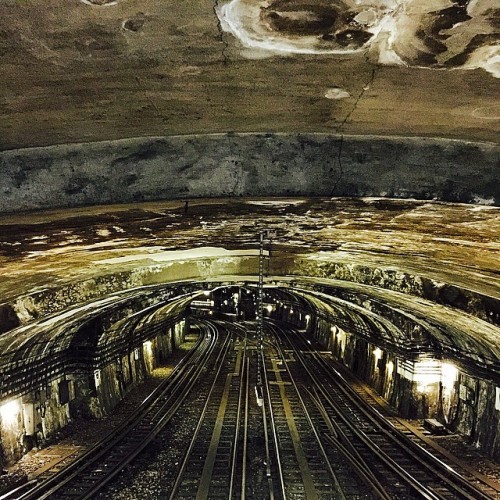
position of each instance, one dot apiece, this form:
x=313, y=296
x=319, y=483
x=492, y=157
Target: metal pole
x=264, y=236
x=260, y=300
x=260, y=310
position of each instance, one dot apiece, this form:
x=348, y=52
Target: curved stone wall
x=234, y=165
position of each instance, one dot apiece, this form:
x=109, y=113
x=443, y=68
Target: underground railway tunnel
x=249, y=249
x=112, y=302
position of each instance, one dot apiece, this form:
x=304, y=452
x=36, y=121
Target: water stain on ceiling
x=429, y=33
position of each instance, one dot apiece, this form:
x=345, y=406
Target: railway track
x=214, y=442
x=403, y=468
x=418, y=436
x=256, y=438
x=229, y=453
x=275, y=423
x=91, y=472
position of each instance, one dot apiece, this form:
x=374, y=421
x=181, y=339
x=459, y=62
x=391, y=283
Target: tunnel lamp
x=9, y=412
x=269, y=308
x=206, y=293
x=449, y=375
x=426, y=373
x=308, y=317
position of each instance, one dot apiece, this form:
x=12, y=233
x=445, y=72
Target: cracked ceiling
x=80, y=71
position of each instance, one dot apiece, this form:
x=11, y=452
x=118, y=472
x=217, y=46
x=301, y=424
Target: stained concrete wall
x=481, y=305
x=248, y=165
x=26, y=308
x=470, y=412
x=37, y=417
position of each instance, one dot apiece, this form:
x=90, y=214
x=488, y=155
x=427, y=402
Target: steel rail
x=172, y=396
x=244, y=383
x=267, y=401
x=338, y=439
x=338, y=489
x=245, y=434
x=245, y=401
x=388, y=462
x=447, y=474
x=432, y=464
x=219, y=363
x=265, y=414
x=15, y=493
x=343, y=444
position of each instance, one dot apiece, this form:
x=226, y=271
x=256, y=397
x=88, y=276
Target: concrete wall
x=248, y=165
x=26, y=308
x=396, y=279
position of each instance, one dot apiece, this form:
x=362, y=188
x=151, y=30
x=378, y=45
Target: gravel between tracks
x=81, y=434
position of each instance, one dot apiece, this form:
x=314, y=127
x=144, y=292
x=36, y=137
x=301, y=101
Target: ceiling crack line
x=341, y=126
x=221, y=37
x=356, y=102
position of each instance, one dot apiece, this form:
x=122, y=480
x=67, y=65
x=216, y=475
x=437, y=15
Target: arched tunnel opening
x=119, y=315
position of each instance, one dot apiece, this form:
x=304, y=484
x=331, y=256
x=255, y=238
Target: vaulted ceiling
x=191, y=99
x=93, y=70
